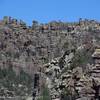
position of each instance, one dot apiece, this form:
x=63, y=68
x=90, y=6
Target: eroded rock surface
x=84, y=85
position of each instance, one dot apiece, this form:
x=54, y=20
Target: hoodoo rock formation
x=52, y=61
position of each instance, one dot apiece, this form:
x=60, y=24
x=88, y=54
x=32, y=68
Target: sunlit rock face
x=56, y=80
x=86, y=85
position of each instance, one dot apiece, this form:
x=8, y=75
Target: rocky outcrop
x=56, y=79
x=83, y=85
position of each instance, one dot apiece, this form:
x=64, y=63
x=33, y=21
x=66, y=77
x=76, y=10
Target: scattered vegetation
x=19, y=84
x=45, y=95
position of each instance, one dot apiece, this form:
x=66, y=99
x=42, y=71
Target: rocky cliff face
x=62, y=51
x=74, y=84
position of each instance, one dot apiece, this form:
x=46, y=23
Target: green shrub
x=45, y=95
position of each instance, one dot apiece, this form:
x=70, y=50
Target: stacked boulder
x=84, y=85
x=88, y=85
x=96, y=69
x=95, y=73
x=56, y=79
